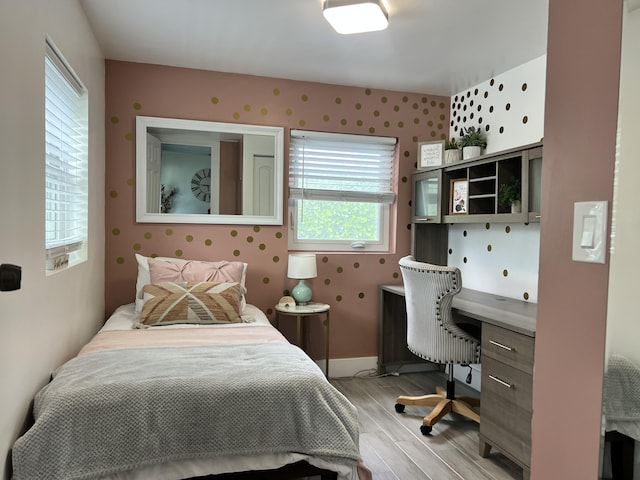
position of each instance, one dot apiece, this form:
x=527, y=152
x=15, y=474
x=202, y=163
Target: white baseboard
x=348, y=367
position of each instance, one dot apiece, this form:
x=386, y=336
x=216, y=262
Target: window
x=66, y=145
x=340, y=191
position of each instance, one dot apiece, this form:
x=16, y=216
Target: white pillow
x=144, y=278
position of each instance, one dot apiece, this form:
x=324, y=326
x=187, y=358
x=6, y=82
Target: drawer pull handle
x=501, y=382
x=500, y=345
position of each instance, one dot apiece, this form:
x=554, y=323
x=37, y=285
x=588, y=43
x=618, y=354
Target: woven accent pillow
x=166, y=303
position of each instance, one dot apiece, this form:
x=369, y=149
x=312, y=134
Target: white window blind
x=66, y=142
x=340, y=167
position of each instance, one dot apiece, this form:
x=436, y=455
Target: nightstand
x=302, y=313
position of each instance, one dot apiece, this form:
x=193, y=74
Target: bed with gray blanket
x=175, y=403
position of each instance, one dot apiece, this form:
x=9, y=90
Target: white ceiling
x=438, y=47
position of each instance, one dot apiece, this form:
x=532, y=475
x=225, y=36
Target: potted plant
x=451, y=150
x=509, y=195
x=472, y=141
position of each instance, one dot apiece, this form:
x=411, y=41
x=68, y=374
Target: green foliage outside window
x=323, y=220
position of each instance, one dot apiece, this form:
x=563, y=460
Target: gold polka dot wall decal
x=305, y=97
x=136, y=246
x=302, y=123
x=208, y=242
x=339, y=270
x=524, y=87
x=338, y=100
x=278, y=234
x=264, y=111
x=247, y=108
x=488, y=248
x=425, y=111
x=262, y=246
x=382, y=261
x=325, y=259
x=343, y=121
x=433, y=103
x=215, y=100
x=168, y=232
x=505, y=273
x=442, y=117
x=359, y=123
x=387, y=123
x=404, y=180
x=525, y=119
x=288, y=112
x=372, y=130
x=361, y=295
x=526, y=295
x=338, y=298
x=249, y=239
x=130, y=181
x=275, y=259
x=415, y=106
x=405, y=99
x=400, y=124
x=416, y=121
x=396, y=108
x=358, y=106
x=148, y=235
x=120, y=260
x=189, y=238
x=178, y=253
x=384, y=99
x=327, y=281
x=113, y=194
x=269, y=311
x=137, y=106
x=395, y=275
x=367, y=91
x=236, y=116
x=356, y=265
x=406, y=154
x=115, y=119
x=265, y=280
x=128, y=136
x=326, y=118
x=233, y=233
x=432, y=134
x=256, y=228
x=376, y=113
x=115, y=231
x=236, y=253
x=276, y=91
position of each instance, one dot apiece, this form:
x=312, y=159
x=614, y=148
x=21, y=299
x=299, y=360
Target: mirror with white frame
x=192, y=171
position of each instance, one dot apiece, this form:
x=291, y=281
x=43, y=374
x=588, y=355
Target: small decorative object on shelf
x=472, y=141
x=509, y=195
x=430, y=154
x=166, y=199
x=451, y=151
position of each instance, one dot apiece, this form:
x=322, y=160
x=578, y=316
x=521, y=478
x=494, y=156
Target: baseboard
x=348, y=367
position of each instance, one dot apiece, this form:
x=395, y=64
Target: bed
x=179, y=399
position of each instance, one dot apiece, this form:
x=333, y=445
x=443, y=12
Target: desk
x=302, y=313
x=508, y=336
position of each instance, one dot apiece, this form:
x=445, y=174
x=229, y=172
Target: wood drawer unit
x=507, y=386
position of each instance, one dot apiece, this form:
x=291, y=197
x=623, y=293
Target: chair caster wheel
x=399, y=408
x=426, y=429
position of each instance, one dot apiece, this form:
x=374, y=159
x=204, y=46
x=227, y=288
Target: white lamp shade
x=355, y=16
x=302, y=265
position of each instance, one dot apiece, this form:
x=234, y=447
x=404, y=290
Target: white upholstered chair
x=433, y=336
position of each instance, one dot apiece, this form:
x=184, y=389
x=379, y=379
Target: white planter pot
x=516, y=207
x=451, y=156
x=470, y=152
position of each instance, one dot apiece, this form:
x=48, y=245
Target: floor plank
x=392, y=445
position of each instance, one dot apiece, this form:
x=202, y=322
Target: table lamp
x=302, y=266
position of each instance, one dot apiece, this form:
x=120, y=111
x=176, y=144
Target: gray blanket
x=621, y=397
x=112, y=411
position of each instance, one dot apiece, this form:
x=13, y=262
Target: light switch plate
x=590, y=231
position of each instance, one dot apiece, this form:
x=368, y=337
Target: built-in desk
x=508, y=341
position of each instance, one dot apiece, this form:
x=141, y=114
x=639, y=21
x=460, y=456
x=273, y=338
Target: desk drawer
x=507, y=384
x=512, y=348
x=516, y=444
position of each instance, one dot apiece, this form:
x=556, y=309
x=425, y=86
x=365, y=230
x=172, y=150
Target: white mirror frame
x=142, y=216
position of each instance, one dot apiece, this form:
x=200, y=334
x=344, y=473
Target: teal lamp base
x=301, y=293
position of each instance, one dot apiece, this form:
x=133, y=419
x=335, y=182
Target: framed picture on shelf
x=430, y=154
x=459, y=190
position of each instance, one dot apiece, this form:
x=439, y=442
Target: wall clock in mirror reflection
x=201, y=184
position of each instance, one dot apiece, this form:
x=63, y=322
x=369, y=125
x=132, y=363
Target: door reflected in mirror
x=190, y=171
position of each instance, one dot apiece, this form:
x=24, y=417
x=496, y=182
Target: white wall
x=43, y=324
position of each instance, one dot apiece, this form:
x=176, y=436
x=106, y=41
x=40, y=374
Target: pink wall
x=348, y=282
x=583, y=63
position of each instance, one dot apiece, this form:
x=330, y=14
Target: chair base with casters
x=443, y=401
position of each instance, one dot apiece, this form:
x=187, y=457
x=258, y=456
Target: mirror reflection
x=192, y=171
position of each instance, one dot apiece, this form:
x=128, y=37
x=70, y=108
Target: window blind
x=340, y=167
x=66, y=142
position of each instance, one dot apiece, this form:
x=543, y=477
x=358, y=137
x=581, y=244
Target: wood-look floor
x=392, y=445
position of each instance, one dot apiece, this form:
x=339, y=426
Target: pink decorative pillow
x=167, y=303
x=195, y=271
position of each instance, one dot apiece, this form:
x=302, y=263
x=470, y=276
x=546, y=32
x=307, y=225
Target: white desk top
x=515, y=315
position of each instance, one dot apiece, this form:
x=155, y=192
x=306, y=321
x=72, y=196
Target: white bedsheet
x=124, y=318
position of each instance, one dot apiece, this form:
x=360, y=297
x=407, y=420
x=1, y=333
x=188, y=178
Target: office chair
x=433, y=336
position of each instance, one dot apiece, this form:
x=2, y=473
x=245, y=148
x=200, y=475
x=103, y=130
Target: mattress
x=255, y=329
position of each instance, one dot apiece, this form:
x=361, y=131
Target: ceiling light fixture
x=356, y=16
